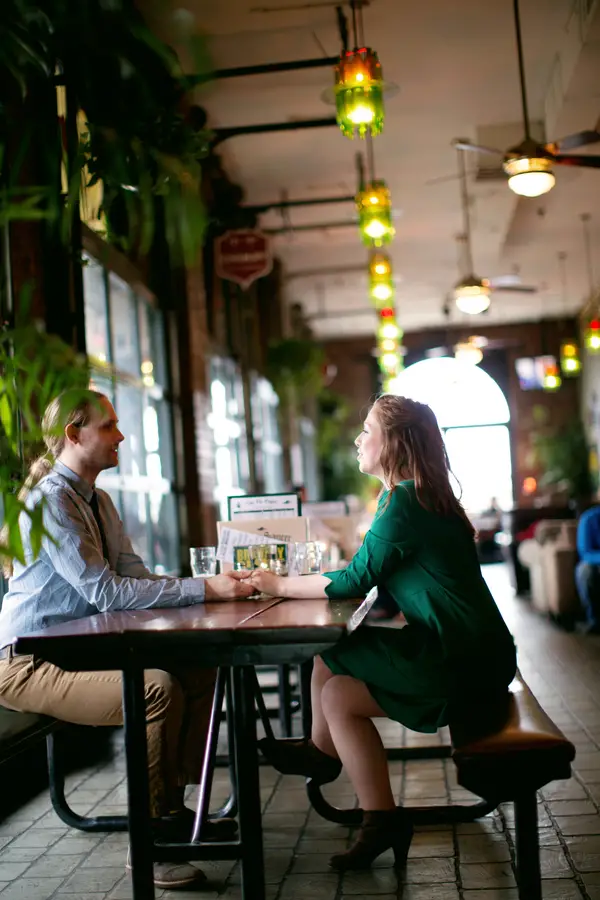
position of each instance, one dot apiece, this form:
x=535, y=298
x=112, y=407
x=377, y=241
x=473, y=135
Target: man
x=587, y=573
x=85, y=566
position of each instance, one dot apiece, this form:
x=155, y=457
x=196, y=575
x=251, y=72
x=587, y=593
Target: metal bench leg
x=56, y=777
x=529, y=878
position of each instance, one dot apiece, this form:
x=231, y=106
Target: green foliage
x=564, y=456
x=335, y=447
x=34, y=368
x=298, y=364
x=140, y=141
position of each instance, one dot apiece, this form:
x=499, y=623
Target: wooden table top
x=190, y=629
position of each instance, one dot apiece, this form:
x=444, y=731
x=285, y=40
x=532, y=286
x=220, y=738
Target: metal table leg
x=246, y=761
x=210, y=752
x=138, y=791
x=285, y=699
x=305, y=675
x=529, y=878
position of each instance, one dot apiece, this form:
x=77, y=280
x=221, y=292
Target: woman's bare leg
x=320, y=735
x=348, y=709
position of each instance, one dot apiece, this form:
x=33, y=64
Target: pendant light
x=359, y=86
x=570, y=360
x=471, y=350
x=389, y=351
x=374, y=205
x=381, y=284
x=591, y=332
x=551, y=380
x=471, y=294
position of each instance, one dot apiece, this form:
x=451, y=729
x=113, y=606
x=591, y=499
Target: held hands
x=225, y=587
x=262, y=581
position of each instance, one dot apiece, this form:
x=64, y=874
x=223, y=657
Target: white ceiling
x=455, y=66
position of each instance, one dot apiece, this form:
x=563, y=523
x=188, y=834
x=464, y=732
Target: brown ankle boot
x=380, y=830
x=301, y=758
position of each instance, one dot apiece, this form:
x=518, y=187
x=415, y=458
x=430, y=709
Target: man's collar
x=81, y=486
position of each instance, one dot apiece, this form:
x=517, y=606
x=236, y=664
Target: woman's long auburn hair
x=413, y=448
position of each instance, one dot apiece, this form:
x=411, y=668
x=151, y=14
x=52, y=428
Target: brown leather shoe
x=174, y=876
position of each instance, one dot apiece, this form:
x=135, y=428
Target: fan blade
x=572, y=141
x=441, y=179
x=515, y=289
x=574, y=159
x=500, y=281
x=477, y=148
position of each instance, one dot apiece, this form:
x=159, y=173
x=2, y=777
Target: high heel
x=380, y=831
x=301, y=758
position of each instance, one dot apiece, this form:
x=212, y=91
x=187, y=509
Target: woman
x=455, y=648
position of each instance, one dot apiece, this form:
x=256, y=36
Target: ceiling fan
x=529, y=164
x=468, y=349
x=471, y=293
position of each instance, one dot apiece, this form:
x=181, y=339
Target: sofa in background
x=550, y=556
x=517, y=525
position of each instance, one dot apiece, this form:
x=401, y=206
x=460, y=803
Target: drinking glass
x=307, y=558
x=203, y=561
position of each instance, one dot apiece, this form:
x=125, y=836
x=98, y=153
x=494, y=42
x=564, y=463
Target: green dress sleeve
x=389, y=540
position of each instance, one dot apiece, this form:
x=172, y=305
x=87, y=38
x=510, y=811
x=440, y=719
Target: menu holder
x=244, y=532
x=264, y=506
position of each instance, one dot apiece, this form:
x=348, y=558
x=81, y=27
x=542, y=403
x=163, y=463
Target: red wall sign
x=243, y=256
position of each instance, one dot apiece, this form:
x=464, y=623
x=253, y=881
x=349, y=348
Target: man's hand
x=262, y=581
x=223, y=587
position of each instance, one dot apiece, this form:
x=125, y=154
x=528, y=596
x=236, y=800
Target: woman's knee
x=163, y=694
x=336, y=696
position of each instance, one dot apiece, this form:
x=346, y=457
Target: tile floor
x=41, y=859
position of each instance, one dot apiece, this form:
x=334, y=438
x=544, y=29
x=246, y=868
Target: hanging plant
x=139, y=139
x=298, y=364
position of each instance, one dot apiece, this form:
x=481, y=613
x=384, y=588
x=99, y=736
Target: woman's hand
x=262, y=581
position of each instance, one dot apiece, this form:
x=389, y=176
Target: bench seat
x=520, y=751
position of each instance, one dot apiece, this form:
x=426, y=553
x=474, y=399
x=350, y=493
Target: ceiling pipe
x=296, y=65
x=342, y=313
x=316, y=226
x=224, y=134
x=330, y=270
x=284, y=204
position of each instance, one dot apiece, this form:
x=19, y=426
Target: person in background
x=587, y=572
x=453, y=656
x=86, y=565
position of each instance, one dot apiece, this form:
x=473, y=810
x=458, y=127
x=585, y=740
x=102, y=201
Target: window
x=227, y=421
x=125, y=331
x=267, y=441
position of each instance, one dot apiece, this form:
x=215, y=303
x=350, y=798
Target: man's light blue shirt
x=70, y=578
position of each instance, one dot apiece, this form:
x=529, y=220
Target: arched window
x=458, y=393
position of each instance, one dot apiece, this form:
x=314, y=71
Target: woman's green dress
x=455, y=647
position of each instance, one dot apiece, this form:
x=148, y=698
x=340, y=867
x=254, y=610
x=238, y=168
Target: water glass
x=203, y=561
x=308, y=559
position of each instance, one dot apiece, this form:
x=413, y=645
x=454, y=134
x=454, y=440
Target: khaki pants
x=178, y=707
